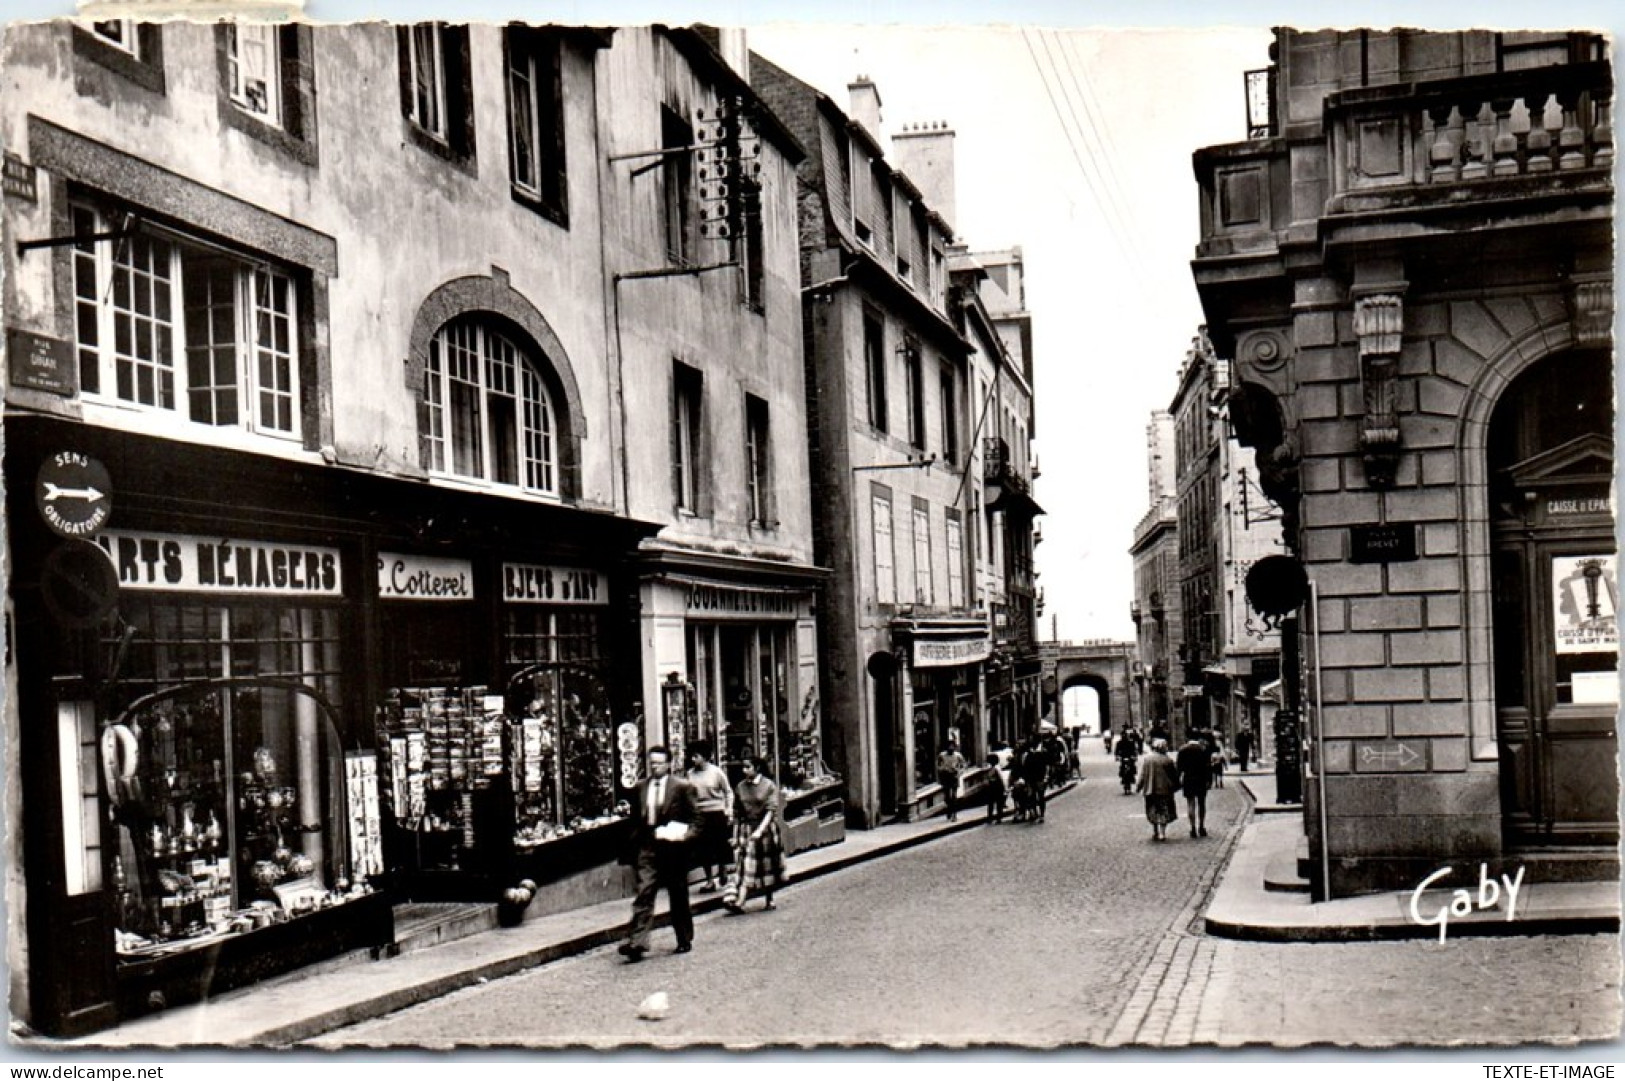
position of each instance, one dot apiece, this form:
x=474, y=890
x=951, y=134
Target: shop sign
x=424, y=578
x=74, y=493
x=932, y=653
x=190, y=564
x=533, y=583
x=710, y=600
x=1192, y=690
x=40, y=363
x=1585, y=603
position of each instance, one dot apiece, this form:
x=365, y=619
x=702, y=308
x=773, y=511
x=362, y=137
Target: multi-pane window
x=426, y=79
x=885, y=556
x=922, y=552
x=677, y=184
x=437, y=94
x=956, y=558
x=254, y=70
x=488, y=414
x=165, y=324
x=687, y=391
x=874, y=360
x=914, y=370
x=536, y=119
x=758, y=461
x=119, y=33
x=950, y=414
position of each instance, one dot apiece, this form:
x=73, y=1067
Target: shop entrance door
x=1555, y=595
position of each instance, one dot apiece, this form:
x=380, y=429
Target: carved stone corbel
x=1379, y=321
x=1591, y=306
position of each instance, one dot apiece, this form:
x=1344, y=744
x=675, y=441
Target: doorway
x=1555, y=593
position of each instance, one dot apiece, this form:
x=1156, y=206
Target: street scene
x=548, y=535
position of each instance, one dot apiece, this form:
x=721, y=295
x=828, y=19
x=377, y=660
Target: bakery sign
x=944, y=653
x=1585, y=600
x=212, y=564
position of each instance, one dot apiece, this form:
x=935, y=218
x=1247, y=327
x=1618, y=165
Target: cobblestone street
x=1078, y=931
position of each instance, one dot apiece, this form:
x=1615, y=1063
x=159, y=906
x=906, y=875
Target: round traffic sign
x=78, y=584
x=74, y=494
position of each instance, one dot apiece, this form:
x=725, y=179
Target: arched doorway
x=1555, y=589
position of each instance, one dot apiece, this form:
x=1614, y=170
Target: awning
x=1270, y=692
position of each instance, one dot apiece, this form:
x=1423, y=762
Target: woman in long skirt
x=1159, y=781
x=758, y=839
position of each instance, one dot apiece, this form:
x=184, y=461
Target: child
x=1218, y=761
x=996, y=791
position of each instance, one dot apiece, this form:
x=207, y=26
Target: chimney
x=925, y=154
x=865, y=97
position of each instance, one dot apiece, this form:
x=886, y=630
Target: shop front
x=497, y=729
x=265, y=700
x=734, y=666
x=945, y=689
x=201, y=814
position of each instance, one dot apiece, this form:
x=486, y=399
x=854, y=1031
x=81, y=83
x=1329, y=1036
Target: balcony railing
x=999, y=468
x=1533, y=122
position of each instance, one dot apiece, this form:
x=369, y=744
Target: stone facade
x=1378, y=311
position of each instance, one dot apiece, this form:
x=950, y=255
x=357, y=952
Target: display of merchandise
x=366, y=819
x=549, y=741
x=211, y=837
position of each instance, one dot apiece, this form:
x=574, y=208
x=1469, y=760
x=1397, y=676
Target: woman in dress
x=1159, y=781
x=714, y=800
x=758, y=839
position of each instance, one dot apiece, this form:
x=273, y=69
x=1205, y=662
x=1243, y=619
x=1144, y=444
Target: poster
x=1585, y=604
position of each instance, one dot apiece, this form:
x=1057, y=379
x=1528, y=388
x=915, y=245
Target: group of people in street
x=1198, y=766
x=734, y=834
x=1021, y=775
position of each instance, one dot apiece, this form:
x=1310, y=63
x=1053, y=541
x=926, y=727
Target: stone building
x=1410, y=262
x=1156, y=611
x=906, y=644
x=387, y=418
x=990, y=300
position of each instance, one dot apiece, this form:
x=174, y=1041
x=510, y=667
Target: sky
x=1075, y=123
x=1069, y=144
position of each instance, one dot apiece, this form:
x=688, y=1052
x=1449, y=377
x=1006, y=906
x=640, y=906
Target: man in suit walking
x=665, y=818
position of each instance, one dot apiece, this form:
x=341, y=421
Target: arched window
x=489, y=415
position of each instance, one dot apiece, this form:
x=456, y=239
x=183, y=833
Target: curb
x=1395, y=931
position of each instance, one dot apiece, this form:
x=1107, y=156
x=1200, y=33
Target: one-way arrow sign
x=74, y=494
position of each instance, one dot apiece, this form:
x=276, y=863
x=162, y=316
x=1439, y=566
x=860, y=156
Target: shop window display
x=533, y=761
x=230, y=812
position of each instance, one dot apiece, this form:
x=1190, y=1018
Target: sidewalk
x=320, y=998
x=1243, y=907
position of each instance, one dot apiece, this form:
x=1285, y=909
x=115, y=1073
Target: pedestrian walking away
x=1244, y=746
x=995, y=791
x=950, y=764
x=1195, y=765
x=664, y=823
x=713, y=799
x=758, y=839
x=1159, y=781
x=1034, y=769
x=1219, y=757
